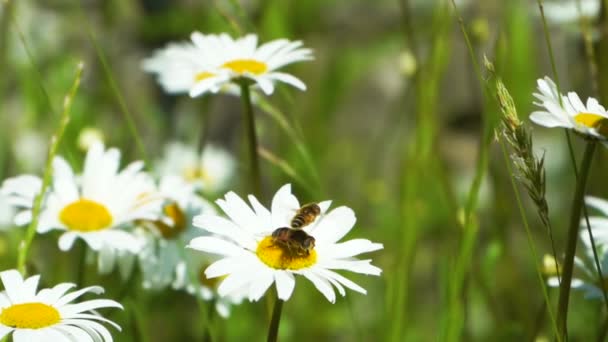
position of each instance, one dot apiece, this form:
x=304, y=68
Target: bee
x=305, y=215
x=296, y=242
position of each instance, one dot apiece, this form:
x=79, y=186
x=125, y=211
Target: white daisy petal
x=335, y=225
x=215, y=246
x=322, y=285
x=285, y=283
x=353, y=247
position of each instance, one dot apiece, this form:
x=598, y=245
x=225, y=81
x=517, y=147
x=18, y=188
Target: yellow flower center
x=176, y=214
x=203, y=75
x=196, y=173
x=241, y=66
x=85, y=216
x=29, y=316
x=278, y=257
x=593, y=121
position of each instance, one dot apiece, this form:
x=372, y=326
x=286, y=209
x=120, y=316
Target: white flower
x=210, y=170
x=166, y=237
x=252, y=260
x=94, y=206
x=211, y=62
x=598, y=224
x=572, y=113
x=7, y=212
x=164, y=261
x=588, y=281
x=50, y=314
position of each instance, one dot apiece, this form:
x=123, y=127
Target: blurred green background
x=391, y=125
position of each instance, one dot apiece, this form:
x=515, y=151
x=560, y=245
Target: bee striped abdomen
x=305, y=216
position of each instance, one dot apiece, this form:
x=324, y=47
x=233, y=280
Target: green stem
x=531, y=244
x=25, y=245
x=601, y=336
x=254, y=164
x=273, y=329
x=81, y=252
x=577, y=204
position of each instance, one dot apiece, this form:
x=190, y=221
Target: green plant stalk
x=8, y=7
x=273, y=328
x=80, y=265
x=455, y=319
x=124, y=109
x=297, y=139
x=203, y=307
x=254, y=163
x=572, y=239
x=30, y=233
x=531, y=244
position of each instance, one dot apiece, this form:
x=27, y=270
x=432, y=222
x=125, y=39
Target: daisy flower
x=211, y=62
x=94, y=206
x=252, y=259
x=50, y=314
x=166, y=237
x=587, y=119
x=164, y=261
x=587, y=281
x=210, y=171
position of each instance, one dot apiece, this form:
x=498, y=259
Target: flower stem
x=254, y=164
x=273, y=329
x=577, y=204
x=81, y=265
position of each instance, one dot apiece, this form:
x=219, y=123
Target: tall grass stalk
x=572, y=239
x=8, y=6
x=124, y=109
x=292, y=132
x=454, y=323
x=418, y=160
x=25, y=245
x=531, y=172
x=531, y=245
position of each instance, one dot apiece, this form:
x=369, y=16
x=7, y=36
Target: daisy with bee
x=294, y=238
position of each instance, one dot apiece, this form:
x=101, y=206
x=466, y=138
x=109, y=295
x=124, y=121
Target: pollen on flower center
x=85, y=216
x=593, y=121
x=278, y=257
x=29, y=316
x=173, y=211
x=241, y=66
x=203, y=76
x=195, y=173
